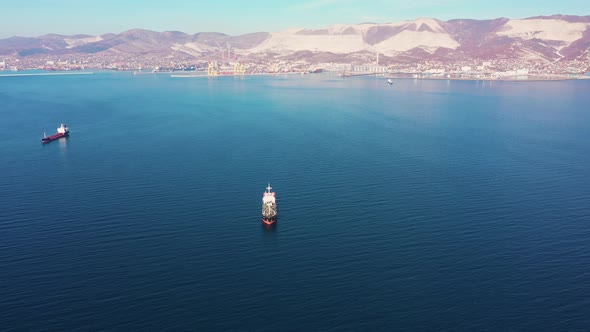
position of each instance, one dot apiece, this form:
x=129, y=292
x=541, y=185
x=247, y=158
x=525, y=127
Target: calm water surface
x=427, y=205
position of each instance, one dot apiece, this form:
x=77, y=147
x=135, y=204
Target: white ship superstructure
x=269, y=206
x=63, y=129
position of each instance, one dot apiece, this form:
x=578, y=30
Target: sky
x=37, y=17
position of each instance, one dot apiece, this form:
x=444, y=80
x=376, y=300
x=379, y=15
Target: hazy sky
x=37, y=17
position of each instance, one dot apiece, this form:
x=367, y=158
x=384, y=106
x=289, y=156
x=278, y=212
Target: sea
x=428, y=205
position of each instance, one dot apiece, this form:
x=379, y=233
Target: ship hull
x=269, y=221
x=54, y=137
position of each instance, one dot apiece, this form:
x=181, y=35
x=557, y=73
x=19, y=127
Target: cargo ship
x=269, y=206
x=62, y=131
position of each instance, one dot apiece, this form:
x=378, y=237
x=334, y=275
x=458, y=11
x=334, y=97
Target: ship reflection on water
x=269, y=228
x=63, y=144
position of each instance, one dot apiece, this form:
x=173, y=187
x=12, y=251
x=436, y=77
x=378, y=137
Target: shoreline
x=241, y=75
x=47, y=74
x=490, y=79
x=385, y=76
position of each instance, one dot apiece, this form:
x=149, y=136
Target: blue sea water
x=426, y=205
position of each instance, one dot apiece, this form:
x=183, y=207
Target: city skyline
x=237, y=17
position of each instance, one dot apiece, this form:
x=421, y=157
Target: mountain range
x=542, y=38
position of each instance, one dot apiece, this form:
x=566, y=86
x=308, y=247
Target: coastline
x=487, y=79
x=46, y=74
x=523, y=78
x=240, y=75
x=528, y=78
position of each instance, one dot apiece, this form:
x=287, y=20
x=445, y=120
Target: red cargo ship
x=62, y=131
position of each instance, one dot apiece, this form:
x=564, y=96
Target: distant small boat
x=389, y=81
x=62, y=131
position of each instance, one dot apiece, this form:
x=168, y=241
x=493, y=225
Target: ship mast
x=268, y=188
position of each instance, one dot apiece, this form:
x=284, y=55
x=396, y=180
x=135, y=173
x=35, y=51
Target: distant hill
x=543, y=38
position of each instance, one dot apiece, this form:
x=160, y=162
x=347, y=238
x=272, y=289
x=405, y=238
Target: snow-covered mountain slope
x=544, y=29
x=388, y=39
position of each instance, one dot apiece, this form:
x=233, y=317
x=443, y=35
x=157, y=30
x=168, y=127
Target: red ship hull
x=269, y=221
x=48, y=139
